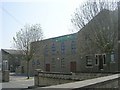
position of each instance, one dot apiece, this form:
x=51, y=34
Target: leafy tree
x=23, y=39
x=100, y=31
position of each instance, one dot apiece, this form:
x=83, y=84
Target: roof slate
x=11, y=51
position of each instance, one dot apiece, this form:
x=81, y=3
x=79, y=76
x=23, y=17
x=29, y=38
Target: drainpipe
x=118, y=39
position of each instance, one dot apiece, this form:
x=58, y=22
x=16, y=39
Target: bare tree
x=23, y=39
x=101, y=28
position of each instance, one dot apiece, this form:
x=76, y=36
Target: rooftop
x=12, y=51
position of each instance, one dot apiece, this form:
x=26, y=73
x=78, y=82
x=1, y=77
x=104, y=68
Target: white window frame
x=87, y=62
x=104, y=61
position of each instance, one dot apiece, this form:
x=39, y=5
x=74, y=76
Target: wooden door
x=48, y=67
x=73, y=66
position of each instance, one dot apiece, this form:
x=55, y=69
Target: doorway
x=48, y=67
x=100, y=62
x=73, y=66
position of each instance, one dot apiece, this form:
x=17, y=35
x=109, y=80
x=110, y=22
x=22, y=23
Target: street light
x=59, y=69
x=58, y=58
x=44, y=55
x=59, y=62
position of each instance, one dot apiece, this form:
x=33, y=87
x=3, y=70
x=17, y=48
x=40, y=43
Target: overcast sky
x=53, y=15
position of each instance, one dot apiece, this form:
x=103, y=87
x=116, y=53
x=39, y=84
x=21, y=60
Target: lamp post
x=44, y=61
x=44, y=55
x=59, y=63
x=59, y=68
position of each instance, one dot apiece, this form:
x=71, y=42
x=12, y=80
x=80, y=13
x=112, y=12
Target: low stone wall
x=50, y=81
x=85, y=76
x=112, y=81
x=53, y=78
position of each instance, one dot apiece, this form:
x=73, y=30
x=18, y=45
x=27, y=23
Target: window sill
x=89, y=66
x=96, y=65
x=104, y=64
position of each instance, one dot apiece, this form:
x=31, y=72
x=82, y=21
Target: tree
x=23, y=39
x=102, y=32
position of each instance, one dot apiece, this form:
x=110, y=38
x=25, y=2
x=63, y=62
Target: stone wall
x=106, y=82
x=54, y=78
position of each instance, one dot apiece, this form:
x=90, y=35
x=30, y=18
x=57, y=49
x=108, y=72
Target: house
x=97, y=43
x=76, y=52
x=11, y=59
x=55, y=54
x=92, y=49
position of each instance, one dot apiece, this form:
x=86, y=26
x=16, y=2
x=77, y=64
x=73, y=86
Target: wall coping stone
x=80, y=84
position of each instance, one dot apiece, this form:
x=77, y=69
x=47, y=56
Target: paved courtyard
x=17, y=82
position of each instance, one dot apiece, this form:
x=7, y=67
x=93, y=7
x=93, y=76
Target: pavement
x=17, y=82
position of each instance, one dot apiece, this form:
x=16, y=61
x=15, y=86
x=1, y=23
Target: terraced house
x=92, y=49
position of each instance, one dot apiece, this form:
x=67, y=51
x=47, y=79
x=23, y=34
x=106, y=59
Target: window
x=38, y=62
x=88, y=61
x=96, y=59
x=73, y=47
x=53, y=62
x=62, y=48
x=112, y=57
x=33, y=63
x=46, y=51
x=104, y=59
x=63, y=63
x=53, y=49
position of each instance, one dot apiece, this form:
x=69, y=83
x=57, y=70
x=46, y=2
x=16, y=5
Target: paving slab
x=18, y=82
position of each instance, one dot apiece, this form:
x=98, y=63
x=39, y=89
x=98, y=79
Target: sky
x=53, y=16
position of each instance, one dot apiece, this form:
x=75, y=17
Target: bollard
x=5, y=76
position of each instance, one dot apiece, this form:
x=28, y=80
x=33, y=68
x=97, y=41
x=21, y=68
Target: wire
x=12, y=16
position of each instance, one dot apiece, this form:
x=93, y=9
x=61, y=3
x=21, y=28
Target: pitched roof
x=12, y=51
x=102, y=16
x=59, y=38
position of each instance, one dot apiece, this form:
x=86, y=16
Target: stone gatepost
x=36, y=77
x=5, y=76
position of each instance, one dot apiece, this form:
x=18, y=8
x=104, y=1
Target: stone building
x=97, y=43
x=78, y=52
x=11, y=59
x=57, y=54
